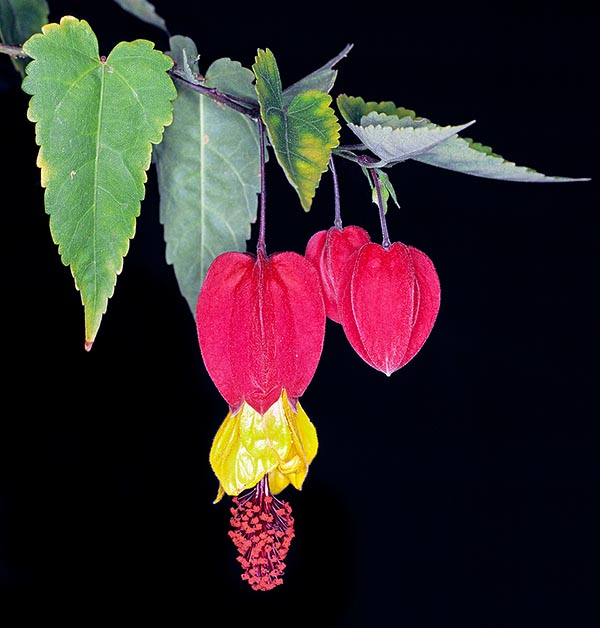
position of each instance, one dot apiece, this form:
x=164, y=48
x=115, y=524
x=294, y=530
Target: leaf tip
x=87, y=345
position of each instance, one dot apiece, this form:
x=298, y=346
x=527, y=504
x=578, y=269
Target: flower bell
x=261, y=326
x=329, y=251
x=389, y=303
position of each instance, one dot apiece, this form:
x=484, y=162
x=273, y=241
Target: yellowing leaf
x=302, y=134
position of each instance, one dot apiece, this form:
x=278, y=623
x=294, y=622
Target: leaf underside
x=302, y=133
x=95, y=123
x=208, y=168
x=384, y=128
x=143, y=10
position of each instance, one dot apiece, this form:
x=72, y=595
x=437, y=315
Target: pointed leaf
x=466, y=156
x=96, y=121
x=19, y=20
x=143, y=10
x=208, y=168
x=456, y=153
x=302, y=134
x=393, y=142
x=321, y=79
x=385, y=186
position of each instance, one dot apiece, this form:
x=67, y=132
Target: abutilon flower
x=386, y=297
x=261, y=325
x=329, y=251
x=389, y=303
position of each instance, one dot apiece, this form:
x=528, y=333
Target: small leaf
x=302, y=134
x=394, y=141
x=143, y=10
x=321, y=79
x=208, y=168
x=96, y=121
x=385, y=186
x=19, y=20
x=233, y=79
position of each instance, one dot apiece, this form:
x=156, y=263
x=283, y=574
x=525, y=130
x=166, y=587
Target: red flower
x=389, y=303
x=329, y=251
x=261, y=325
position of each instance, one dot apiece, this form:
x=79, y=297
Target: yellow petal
x=231, y=462
x=282, y=443
x=267, y=437
x=220, y=494
x=277, y=481
x=304, y=443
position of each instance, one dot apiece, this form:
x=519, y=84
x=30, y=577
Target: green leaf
x=19, y=19
x=143, y=10
x=466, y=156
x=385, y=186
x=454, y=153
x=353, y=108
x=394, y=139
x=208, y=168
x=231, y=78
x=96, y=121
x=302, y=134
x=321, y=79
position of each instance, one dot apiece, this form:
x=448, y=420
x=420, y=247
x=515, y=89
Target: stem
x=246, y=107
x=386, y=243
x=336, y=193
x=13, y=51
x=260, y=245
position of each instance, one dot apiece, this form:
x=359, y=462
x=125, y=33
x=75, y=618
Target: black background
x=460, y=491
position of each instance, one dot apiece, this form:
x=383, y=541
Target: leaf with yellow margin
x=302, y=133
x=96, y=120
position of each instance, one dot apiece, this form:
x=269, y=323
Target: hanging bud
x=389, y=303
x=329, y=251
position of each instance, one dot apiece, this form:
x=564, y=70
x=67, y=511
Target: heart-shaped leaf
x=96, y=120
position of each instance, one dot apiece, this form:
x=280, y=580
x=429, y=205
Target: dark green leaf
x=19, y=20
x=208, y=168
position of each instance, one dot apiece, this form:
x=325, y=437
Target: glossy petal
x=303, y=450
x=248, y=445
x=390, y=303
x=329, y=251
x=261, y=326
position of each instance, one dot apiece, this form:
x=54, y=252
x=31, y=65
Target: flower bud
x=329, y=251
x=389, y=303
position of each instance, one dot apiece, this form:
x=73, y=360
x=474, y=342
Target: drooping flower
x=389, y=303
x=261, y=326
x=329, y=250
